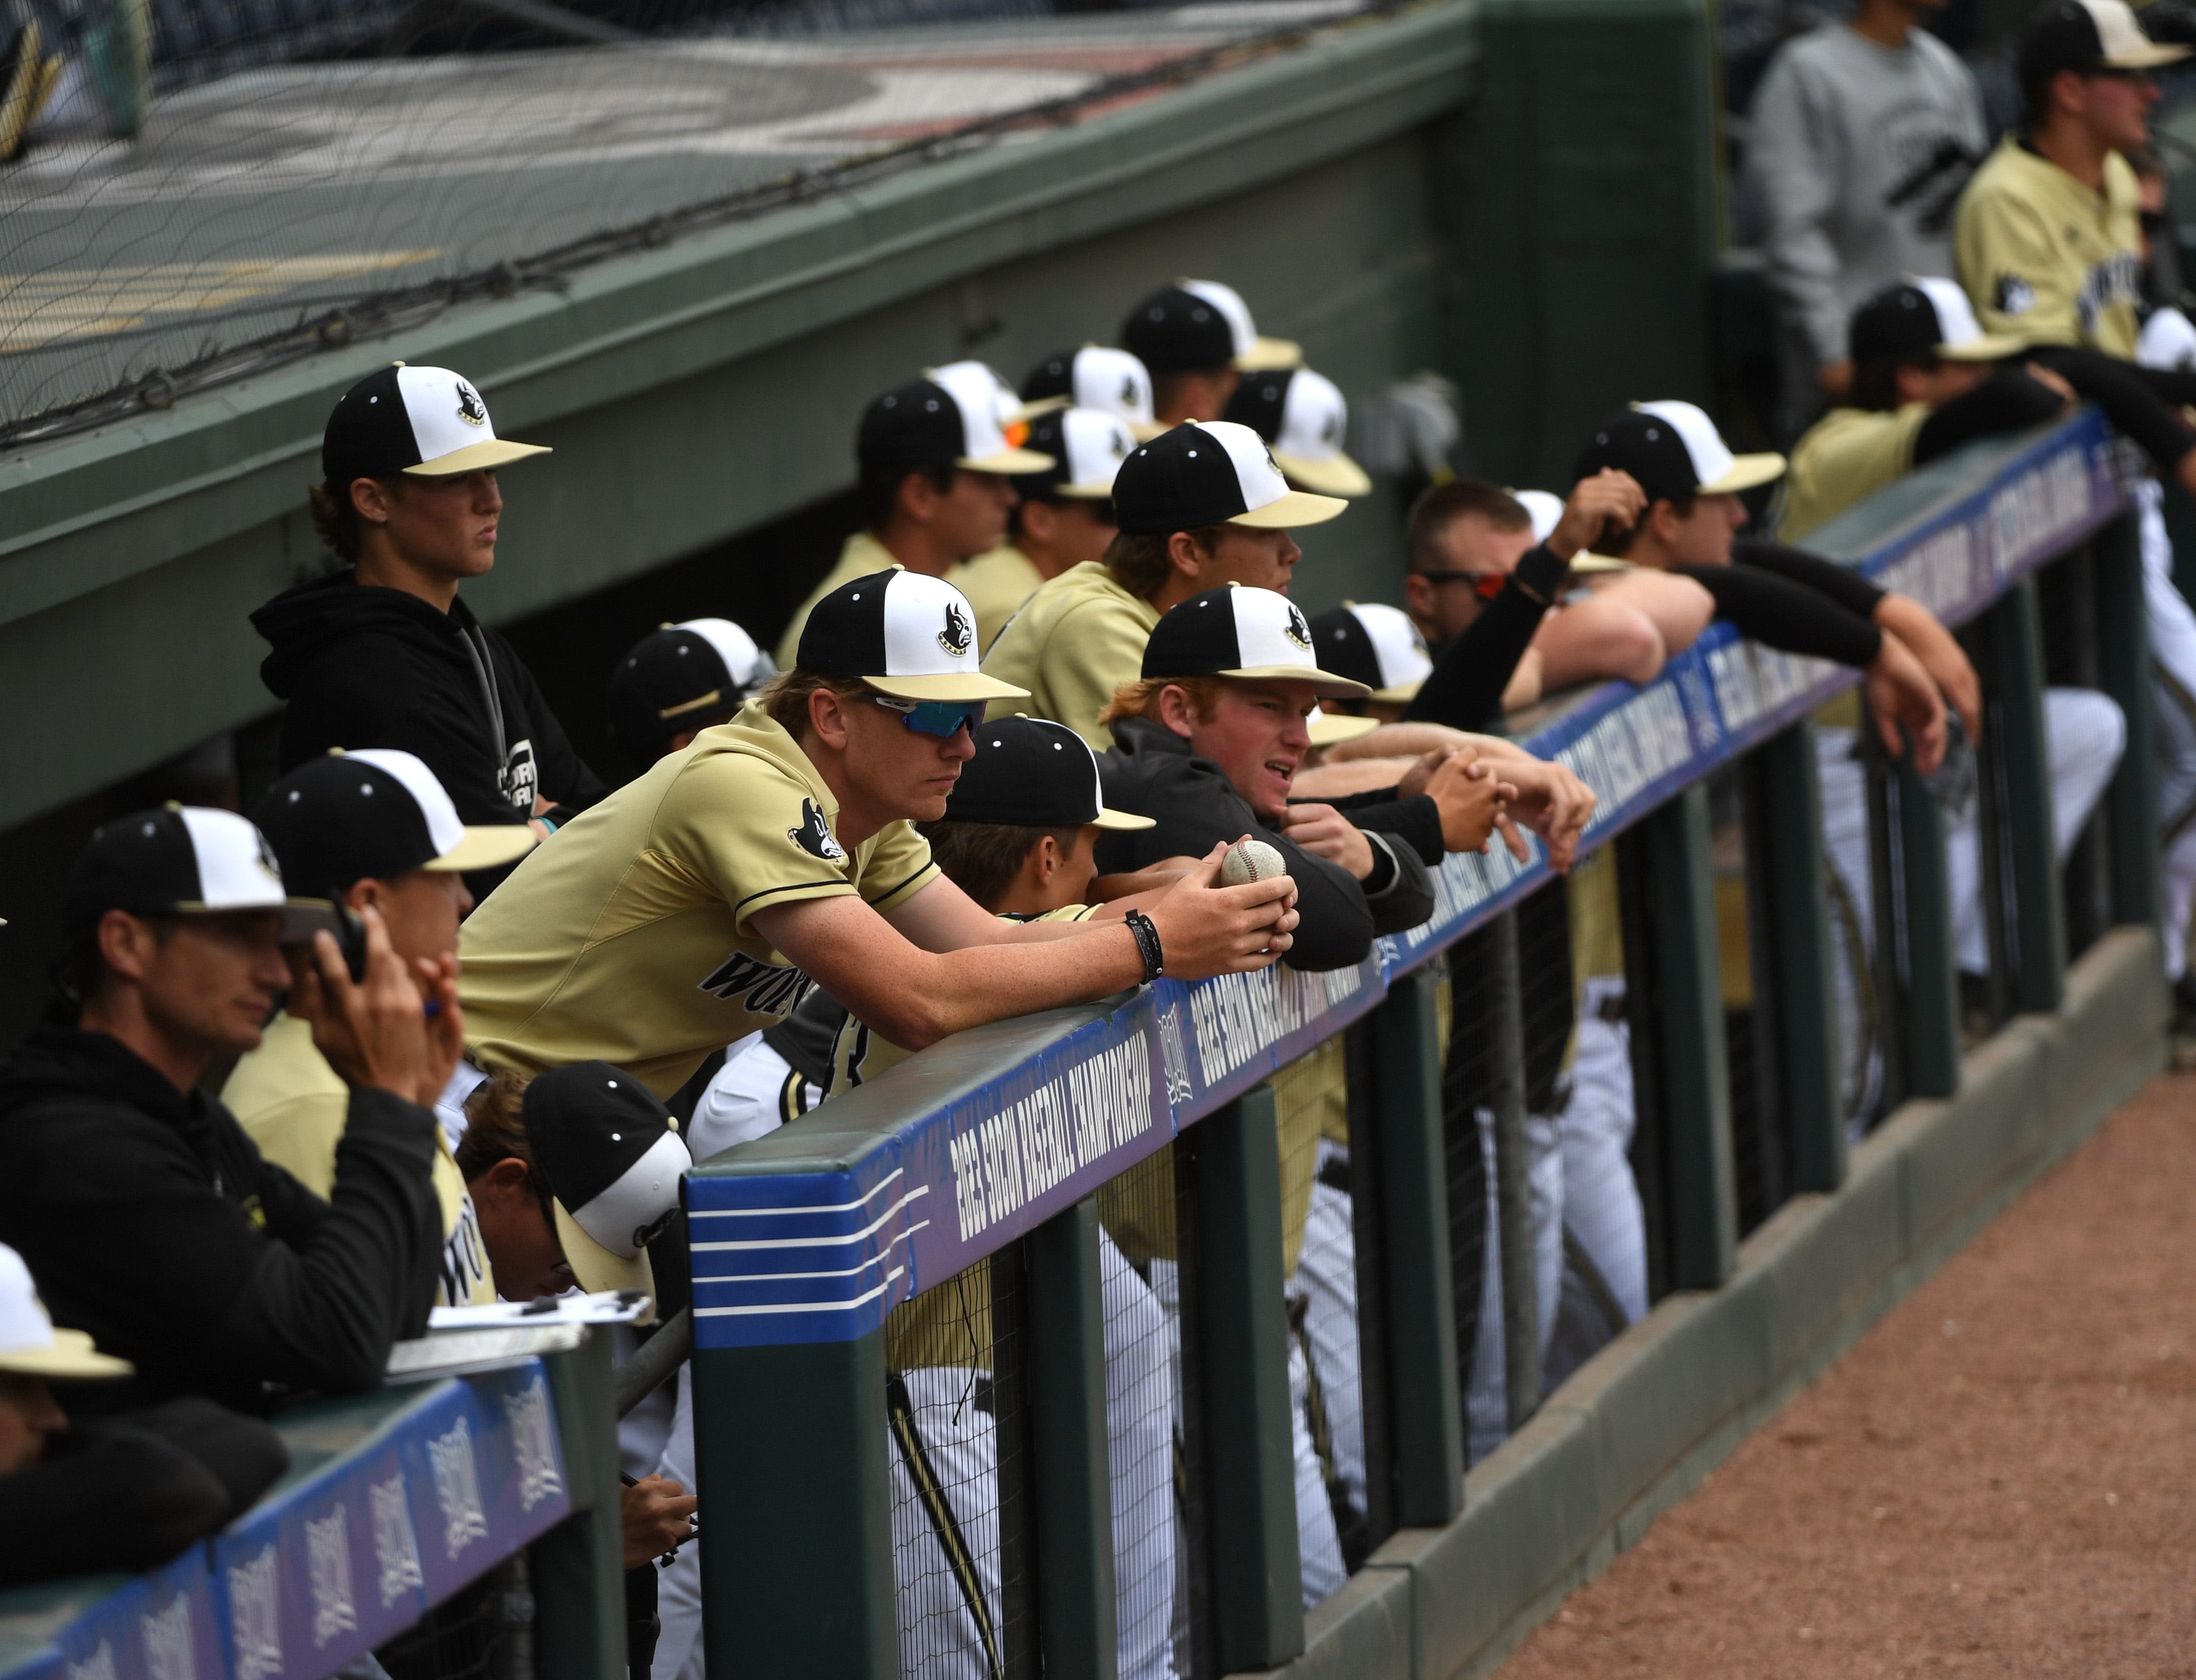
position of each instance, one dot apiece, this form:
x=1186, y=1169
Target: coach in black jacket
x=146, y=1214
x=383, y=654
x=1230, y=673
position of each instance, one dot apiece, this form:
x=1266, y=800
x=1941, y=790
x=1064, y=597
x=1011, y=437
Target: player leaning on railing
x=693, y=905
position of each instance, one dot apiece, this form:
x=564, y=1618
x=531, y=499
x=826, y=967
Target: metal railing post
x=1513, y=1188
x=2123, y=650
x=577, y=1569
x=1912, y=895
x=1404, y=1119
x=796, y=1509
x=1235, y=1338
x=1064, y=1321
x=1676, y=1000
x=2017, y=758
x=1784, y=849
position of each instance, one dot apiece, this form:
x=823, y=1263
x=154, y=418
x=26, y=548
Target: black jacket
x=150, y=1220
x=131, y=1493
x=1150, y=771
x=363, y=667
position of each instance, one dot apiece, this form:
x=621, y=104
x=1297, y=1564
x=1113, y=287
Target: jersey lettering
x=759, y=988
x=521, y=780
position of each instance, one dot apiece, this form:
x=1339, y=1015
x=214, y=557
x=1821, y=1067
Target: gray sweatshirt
x=1858, y=155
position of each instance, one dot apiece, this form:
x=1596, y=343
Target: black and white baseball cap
x=425, y=422
x=976, y=382
x=612, y=1156
x=375, y=814
x=1303, y=419
x=1112, y=381
x=1544, y=508
x=2088, y=35
x=677, y=673
x=1196, y=326
x=30, y=1346
x=1674, y=451
x=924, y=423
x=1922, y=317
x=1378, y=646
x=1211, y=472
x=184, y=860
x=1035, y=774
x=1254, y=634
x=903, y=634
x=1087, y=448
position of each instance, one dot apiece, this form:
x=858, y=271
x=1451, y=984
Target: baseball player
x=935, y=464
x=369, y=828
x=1198, y=339
x=1198, y=507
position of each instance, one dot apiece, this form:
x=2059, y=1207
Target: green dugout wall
x=1518, y=195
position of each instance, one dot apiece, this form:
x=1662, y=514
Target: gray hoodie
x=1857, y=155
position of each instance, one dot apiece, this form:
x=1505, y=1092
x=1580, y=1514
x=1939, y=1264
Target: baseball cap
x=903, y=634
x=1194, y=326
x=375, y=814
x=30, y=1346
x=676, y=673
x=1303, y=419
x=427, y=422
x=977, y=382
x=1211, y=472
x=2088, y=35
x=1331, y=729
x=184, y=860
x=1544, y=508
x=1254, y=634
x=925, y=423
x=1922, y=317
x=1094, y=377
x=1087, y=448
x=1035, y=774
x=1376, y=645
x=612, y=1156
x=1674, y=451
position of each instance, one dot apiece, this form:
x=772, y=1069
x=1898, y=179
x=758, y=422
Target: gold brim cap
x=71, y=1358
x=1296, y=508
x=492, y=452
x=1745, y=473
x=595, y=1268
x=1122, y=820
x=952, y=685
x=1336, y=475
x=485, y=846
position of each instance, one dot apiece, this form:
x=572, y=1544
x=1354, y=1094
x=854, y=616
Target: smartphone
x=350, y=940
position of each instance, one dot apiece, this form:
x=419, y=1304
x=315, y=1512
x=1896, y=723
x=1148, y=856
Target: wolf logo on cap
x=814, y=834
x=471, y=409
x=956, y=636
x=1299, y=631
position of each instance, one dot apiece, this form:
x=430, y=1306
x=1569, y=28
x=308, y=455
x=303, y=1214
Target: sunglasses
x=1485, y=585
x=943, y=719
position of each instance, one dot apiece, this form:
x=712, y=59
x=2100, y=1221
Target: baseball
x=1251, y=860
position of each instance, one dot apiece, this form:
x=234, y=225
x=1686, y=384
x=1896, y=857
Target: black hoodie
x=150, y=1221
x=366, y=666
x=1150, y=771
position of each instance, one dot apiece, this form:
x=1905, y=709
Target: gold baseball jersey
x=861, y=555
x=626, y=937
x=1075, y=641
x=1845, y=458
x=294, y=1106
x=996, y=584
x=2045, y=259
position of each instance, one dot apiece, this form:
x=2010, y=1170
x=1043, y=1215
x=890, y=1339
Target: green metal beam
x=578, y=1567
x=2123, y=653
x=2020, y=758
x=1235, y=1334
x=1065, y=1323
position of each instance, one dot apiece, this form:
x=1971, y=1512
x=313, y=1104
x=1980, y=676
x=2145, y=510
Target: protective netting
x=1141, y=1279
x=217, y=187
x=956, y=1411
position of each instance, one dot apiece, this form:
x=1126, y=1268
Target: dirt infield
x=2000, y=1478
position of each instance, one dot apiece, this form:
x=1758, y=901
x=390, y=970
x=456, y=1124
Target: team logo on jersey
x=471, y=409
x=957, y=638
x=814, y=836
x=759, y=988
x=2013, y=294
x=1299, y=630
